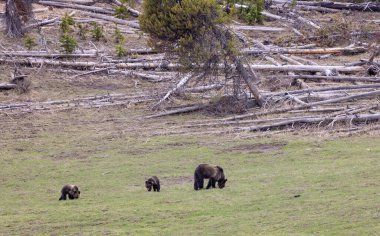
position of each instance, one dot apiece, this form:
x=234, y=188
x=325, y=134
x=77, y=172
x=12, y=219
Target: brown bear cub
x=71, y=190
x=153, y=182
x=211, y=172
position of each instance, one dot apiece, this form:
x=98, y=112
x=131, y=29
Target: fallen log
x=205, y=88
x=179, y=85
x=308, y=105
x=310, y=68
x=330, y=78
x=113, y=19
x=292, y=122
x=365, y=6
x=344, y=51
x=177, y=111
x=7, y=86
x=46, y=54
x=258, y=28
x=82, y=2
x=249, y=77
x=169, y=66
x=39, y=24
x=315, y=90
x=78, y=7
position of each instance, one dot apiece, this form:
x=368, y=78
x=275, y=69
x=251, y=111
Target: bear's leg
x=63, y=197
x=198, y=181
x=209, y=183
x=213, y=183
x=158, y=187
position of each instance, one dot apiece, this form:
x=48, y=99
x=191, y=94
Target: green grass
x=338, y=184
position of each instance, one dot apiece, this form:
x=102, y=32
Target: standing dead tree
x=17, y=13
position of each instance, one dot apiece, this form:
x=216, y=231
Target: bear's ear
x=146, y=181
x=225, y=180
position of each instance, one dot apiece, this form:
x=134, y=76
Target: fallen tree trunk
x=351, y=118
x=78, y=7
x=113, y=19
x=365, y=6
x=308, y=105
x=177, y=111
x=249, y=77
x=171, y=66
x=314, y=90
x=344, y=51
x=258, y=28
x=6, y=86
x=310, y=68
x=180, y=84
x=82, y=2
x=46, y=54
x=329, y=78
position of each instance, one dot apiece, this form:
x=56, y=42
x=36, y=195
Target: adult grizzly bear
x=211, y=172
x=71, y=190
x=153, y=182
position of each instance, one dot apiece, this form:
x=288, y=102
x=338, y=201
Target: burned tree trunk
x=17, y=12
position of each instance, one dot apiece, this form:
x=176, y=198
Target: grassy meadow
x=287, y=185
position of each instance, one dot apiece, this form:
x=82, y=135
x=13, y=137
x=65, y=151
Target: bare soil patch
x=176, y=180
x=257, y=148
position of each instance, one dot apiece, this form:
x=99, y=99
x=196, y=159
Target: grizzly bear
x=211, y=172
x=153, y=182
x=71, y=190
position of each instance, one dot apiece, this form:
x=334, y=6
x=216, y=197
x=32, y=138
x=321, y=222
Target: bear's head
x=222, y=183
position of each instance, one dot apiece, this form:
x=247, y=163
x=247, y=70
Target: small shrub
x=67, y=21
x=120, y=50
x=97, y=32
x=252, y=13
x=121, y=12
x=118, y=36
x=29, y=42
x=68, y=43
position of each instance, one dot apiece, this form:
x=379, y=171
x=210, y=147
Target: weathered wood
x=17, y=12
x=39, y=24
x=77, y=6
x=330, y=78
x=170, y=66
x=311, y=68
x=351, y=118
x=249, y=77
x=344, y=51
x=46, y=54
x=177, y=111
x=82, y=2
x=365, y=6
x=324, y=89
x=6, y=86
x=179, y=85
x=113, y=19
x=308, y=105
x=258, y=28
x=201, y=89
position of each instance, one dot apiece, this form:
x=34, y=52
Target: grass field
x=337, y=181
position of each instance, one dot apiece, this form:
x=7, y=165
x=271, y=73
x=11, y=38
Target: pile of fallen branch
x=315, y=92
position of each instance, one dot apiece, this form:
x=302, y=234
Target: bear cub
x=153, y=182
x=211, y=172
x=71, y=190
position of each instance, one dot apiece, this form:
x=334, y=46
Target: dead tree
x=17, y=13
